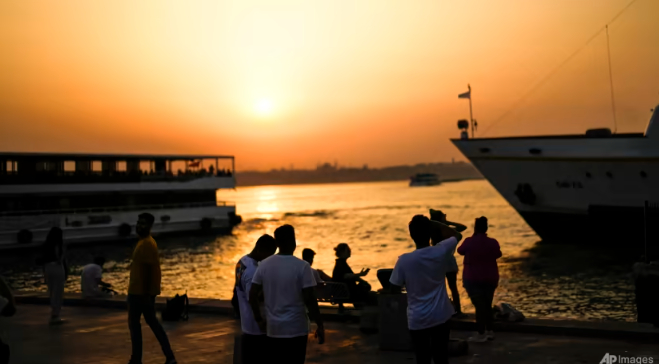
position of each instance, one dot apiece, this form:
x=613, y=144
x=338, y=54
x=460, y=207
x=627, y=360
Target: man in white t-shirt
x=254, y=346
x=422, y=273
x=91, y=279
x=288, y=286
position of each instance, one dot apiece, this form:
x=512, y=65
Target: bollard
x=369, y=320
x=394, y=334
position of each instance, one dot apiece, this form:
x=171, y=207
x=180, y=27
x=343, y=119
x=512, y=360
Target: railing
x=95, y=210
x=99, y=177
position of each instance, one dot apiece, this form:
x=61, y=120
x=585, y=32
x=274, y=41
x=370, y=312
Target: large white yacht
x=95, y=197
x=568, y=187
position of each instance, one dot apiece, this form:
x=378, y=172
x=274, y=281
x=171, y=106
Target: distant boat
x=425, y=179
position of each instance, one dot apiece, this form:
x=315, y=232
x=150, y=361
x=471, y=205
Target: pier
x=97, y=332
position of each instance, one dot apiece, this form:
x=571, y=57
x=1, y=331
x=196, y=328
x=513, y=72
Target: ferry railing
x=99, y=177
x=114, y=209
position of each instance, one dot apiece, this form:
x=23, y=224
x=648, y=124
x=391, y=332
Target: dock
x=97, y=332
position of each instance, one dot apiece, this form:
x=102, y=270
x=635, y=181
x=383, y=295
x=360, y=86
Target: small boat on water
x=97, y=197
x=424, y=179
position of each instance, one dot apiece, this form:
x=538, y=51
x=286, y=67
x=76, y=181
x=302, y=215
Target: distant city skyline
x=297, y=82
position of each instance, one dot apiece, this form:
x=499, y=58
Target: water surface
x=541, y=281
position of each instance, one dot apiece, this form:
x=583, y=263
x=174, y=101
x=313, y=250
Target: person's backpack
x=176, y=308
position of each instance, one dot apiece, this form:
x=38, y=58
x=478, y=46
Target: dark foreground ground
x=100, y=335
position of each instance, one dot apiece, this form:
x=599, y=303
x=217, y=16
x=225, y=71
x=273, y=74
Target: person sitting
x=319, y=275
x=91, y=281
x=359, y=289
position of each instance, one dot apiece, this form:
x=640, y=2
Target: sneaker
x=478, y=338
x=171, y=361
x=56, y=321
x=489, y=335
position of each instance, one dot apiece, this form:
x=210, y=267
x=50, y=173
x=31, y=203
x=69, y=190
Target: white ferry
x=424, y=179
x=591, y=187
x=97, y=197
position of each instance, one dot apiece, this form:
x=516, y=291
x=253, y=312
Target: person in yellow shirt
x=143, y=287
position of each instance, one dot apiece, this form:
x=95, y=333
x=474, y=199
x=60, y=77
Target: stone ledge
x=592, y=329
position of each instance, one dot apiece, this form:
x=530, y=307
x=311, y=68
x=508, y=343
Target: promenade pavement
x=100, y=336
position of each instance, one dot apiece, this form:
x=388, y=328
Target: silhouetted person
x=211, y=170
x=422, y=273
x=55, y=272
x=143, y=287
x=359, y=289
x=7, y=309
x=288, y=286
x=481, y=276
x=452, y=267
x=319, y=275
x=91, y=280
x=254, y=341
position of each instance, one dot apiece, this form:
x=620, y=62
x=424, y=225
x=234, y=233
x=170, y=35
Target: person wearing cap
x=452, y=267
x=318, y=275
x=480, y=276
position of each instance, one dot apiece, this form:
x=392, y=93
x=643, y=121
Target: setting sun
x=263, y=107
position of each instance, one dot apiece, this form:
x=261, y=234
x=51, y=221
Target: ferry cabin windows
x=97, y=166
x=11, y=167
x=48, y=169
x=69, y=166
x=146, y=167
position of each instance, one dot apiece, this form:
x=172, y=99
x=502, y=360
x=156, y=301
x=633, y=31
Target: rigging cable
x=613, y=100
x=560, y=66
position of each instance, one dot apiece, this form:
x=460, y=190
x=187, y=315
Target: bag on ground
x=506, y=312
x=176, y=308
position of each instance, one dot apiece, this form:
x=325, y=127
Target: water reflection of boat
x=96, y=197
x=425, y=179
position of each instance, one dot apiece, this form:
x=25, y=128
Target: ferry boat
x=97, y=197
x=424, y=179
x=590, y=187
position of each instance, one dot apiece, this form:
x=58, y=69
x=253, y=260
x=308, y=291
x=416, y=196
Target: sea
x=540, y=280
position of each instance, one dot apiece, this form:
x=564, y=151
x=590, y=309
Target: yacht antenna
x=613, y=100
x=559, y=67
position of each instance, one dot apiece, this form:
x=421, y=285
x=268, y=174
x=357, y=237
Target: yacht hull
x=572, y=188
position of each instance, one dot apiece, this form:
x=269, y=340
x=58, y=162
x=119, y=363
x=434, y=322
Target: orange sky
x=299, y=82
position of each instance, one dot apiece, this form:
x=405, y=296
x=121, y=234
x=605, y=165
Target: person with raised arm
x=422, y=273
x=452, y=269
